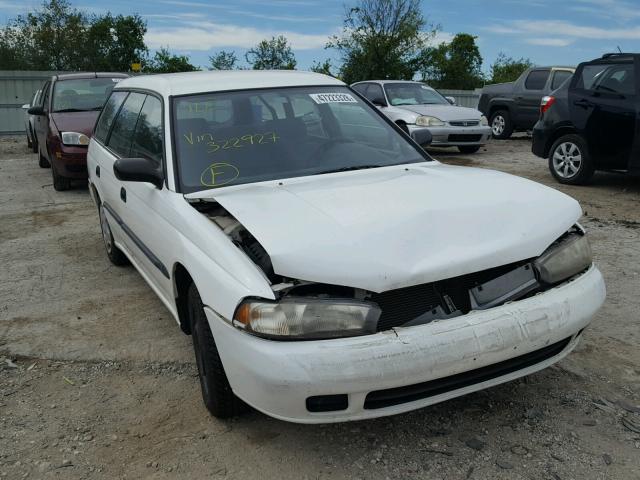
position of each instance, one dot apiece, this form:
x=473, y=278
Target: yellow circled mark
x=208, y=176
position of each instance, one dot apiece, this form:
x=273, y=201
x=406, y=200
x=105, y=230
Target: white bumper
x=277, y=377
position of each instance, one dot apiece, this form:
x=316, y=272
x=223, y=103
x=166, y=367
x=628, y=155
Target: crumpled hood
x=81, y=122
x=446, y=113
x=393, y=227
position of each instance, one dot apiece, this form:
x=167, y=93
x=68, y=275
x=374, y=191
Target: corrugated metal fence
x=464, y=98
x=16, y=89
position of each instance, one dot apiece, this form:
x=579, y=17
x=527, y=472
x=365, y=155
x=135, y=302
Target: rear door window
x=374, y=92
x=108, y=114
x=147, y=139
x=125, y=125
x=536, y=80
x=361, y=88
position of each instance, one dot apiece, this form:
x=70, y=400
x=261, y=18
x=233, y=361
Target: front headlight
x=483, y=121
x=74, y=138
x=307, y=318
x=426, y=121
x=564, y=259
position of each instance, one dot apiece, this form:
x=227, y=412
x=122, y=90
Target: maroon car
x=65, y=117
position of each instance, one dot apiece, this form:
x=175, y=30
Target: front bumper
x=452, y=136
x=277, y=377
x=70, y=161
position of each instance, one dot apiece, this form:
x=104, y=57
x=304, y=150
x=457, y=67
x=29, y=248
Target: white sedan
x=326, y=267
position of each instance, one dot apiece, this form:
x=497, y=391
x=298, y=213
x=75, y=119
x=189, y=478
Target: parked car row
x=326, y=267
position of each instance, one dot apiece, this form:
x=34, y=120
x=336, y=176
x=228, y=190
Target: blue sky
x=546, y=31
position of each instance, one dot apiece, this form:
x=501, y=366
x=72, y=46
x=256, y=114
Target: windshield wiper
x=347, y=169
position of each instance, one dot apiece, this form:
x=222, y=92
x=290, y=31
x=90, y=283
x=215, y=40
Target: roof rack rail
x=617, y=54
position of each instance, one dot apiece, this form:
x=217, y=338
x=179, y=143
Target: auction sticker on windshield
x=332, y=98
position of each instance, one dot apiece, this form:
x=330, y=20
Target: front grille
x=461, y=137
x=465, y=123
x=419, y=391
x=404, y=304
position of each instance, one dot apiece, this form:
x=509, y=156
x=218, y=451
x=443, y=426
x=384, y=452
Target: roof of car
x=390, y=81
x=79, y=75
x=216, y=81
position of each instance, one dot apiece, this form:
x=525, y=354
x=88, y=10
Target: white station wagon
x=326, y=267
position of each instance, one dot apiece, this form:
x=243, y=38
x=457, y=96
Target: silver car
x=32, y=141
x=415, y=105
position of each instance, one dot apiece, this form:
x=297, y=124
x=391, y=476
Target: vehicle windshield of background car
x=82, y=94
x=413, y=94
x=224, y=139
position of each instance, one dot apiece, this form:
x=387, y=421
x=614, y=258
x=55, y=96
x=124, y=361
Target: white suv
x=326, y=267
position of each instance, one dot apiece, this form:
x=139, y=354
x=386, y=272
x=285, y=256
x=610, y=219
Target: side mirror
x=138, y=170
x=37, y=110
x=422, y=137
x=379, y=102
x=451, y=100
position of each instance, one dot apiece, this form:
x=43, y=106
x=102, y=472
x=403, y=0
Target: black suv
x=592, y=122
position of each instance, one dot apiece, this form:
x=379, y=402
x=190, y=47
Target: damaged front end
x=305, y=310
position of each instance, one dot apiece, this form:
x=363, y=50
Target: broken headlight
x=307, y=318
x=564, y=259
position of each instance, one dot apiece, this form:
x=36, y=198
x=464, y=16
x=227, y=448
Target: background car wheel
x=216, y=391
x=501, y=125
x=43, y=162
x=469, y=148
x=60, y=183
x=403, y=126
x=29, y=143
x=34, y=145
x=569, y=160
x=114, y=253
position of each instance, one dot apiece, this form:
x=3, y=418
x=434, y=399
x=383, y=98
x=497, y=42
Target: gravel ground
x=96, y=380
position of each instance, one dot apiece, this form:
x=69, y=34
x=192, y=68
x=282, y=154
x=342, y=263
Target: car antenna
x=619, y=50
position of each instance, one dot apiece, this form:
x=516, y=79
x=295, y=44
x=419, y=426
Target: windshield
x=82, y=94
x=257, y=135
x=413, y=94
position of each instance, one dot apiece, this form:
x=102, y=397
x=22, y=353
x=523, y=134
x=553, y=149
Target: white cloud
x=441, y=37
x=561, y=28
x=205, y=36
x=549, y=42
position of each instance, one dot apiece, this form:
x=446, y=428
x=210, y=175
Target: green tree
x=507, y=69
x=456, y=64
x=114, y=43
x=322, y=67
x=166, y=62
x=223, y=60
x=382, y=39
x=273, y=54
x=59, y=37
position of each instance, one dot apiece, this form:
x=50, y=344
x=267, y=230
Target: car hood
x=393, y=227
x=446, y=113
x=81, y=122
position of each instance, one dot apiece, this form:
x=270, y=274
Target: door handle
x=98, y=171
x=583, y=103
x=123, y=194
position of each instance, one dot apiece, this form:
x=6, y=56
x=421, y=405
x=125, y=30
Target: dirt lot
x=96, y=380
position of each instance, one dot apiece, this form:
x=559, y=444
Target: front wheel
x=569, y=160
x=469, y=148
x=60, y=183
x=501, y=124
x=216, y=391
x=43, y=162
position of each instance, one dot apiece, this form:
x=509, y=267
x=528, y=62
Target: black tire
x=60, y=183
x=43, y=162
x=114, y=253
x=29, y=143
x=469, y=148
x=34, y=145
x=501, y=124
x=569, y=160
x=216, y=391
